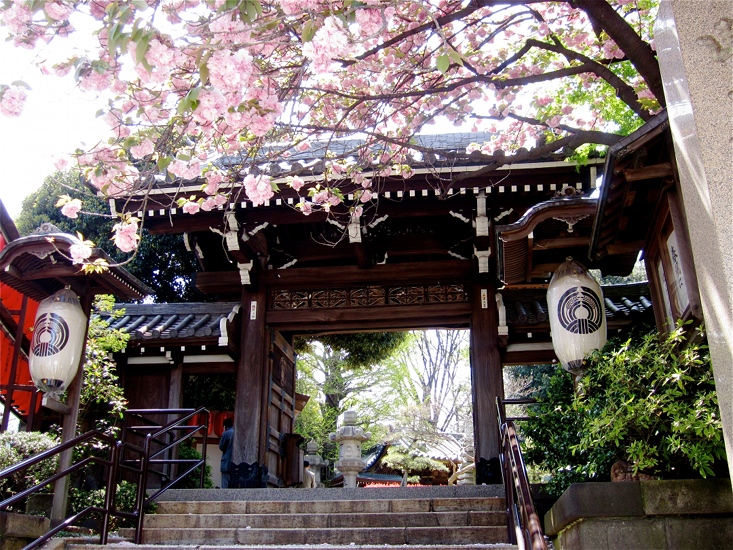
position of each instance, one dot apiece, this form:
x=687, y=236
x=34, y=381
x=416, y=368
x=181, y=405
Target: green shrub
x=125, y=500
x=191, y=481
x=649, y=400
x=553, y=433
x=17, y=446
x=652, y=401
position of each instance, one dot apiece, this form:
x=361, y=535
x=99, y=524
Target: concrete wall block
x=686, y=496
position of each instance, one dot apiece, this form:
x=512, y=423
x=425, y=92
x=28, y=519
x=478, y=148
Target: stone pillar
x=694, y=41
x=350, y=437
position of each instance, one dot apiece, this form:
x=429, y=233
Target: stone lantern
x=316, y=461
x=350, y=437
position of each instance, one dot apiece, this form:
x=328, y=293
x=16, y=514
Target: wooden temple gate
x=457, y=246
x=425, y=256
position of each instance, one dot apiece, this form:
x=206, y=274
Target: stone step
x=332, y=506
x=457, y=535
x=373, y=493
x=76, y=544
x=320, y=520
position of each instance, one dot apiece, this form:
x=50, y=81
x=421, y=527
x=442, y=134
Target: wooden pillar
x=249, y=413
x=486, y=380
x=17, y=345
x=68, y=430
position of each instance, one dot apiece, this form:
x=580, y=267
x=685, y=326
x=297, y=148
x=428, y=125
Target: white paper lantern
x=577, y=314
x=58, y=340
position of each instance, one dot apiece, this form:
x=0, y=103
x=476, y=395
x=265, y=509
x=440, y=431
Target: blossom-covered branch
x=208, y=91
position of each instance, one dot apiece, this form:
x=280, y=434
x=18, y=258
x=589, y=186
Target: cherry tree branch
x=639, y=52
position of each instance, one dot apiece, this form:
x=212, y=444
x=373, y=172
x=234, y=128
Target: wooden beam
x=251, y=379
x=560, y=242
x=528, y=357
x=654, y=171
x=624, y=248
x=223, y=282
x=372, y=318
x=403, y=273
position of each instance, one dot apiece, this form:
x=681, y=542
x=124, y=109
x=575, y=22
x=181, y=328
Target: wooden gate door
x=283, y=457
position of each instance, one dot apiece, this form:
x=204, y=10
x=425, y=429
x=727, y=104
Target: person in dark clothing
x=225, y=446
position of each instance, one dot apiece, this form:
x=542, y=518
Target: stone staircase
x=439, y=518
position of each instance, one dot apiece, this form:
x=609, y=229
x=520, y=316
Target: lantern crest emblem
x=50, y=335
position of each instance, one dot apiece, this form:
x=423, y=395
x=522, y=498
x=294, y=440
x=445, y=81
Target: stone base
x=648, y=515
x=17, y=530
x=248, y=476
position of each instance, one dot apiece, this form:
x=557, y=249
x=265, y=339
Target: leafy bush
x=553, y=433
x=649, y=401
x=653, y=402
x=191, y=481
x=125, y=500
x=15, y=447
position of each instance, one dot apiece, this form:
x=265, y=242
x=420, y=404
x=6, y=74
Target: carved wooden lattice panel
x=367, y=297
x=406, y=295
x=290, y=299
x=447, y=293
x=371, y=296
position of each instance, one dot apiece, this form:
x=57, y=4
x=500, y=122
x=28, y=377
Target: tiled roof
x=173, y=321
x=623, y=302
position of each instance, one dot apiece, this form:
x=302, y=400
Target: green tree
x=102, y=401
x=162, y=261
x=652, y=402
x=429, y=377
x=337, y=371
x=408, y=462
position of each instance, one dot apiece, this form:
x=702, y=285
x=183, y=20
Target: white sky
x=57, y=119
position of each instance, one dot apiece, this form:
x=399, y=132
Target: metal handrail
x=115, y=463
x=160, y=437
x=50, y=453
x=521, y=514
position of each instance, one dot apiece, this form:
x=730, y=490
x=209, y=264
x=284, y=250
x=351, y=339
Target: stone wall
x=644, y=515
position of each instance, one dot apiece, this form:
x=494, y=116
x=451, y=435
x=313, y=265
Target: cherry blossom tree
x=211, y=90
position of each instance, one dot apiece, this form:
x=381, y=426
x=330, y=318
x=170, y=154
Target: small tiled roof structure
x=623, y=303
x=175, y=324
x=40, y=264
x=526, y=335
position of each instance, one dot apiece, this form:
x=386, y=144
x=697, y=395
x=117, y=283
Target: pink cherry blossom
x=126, y=235
x=258, y=189
x=79, y=253
x=186, y=170
x=71, y=208
x=191, y=207
x=213, y=202
x=329, y=43
x=57, y=10
x=296, y=183
x=61, y=163
x=12, y=102
x=369, y=21
x=143, y=149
